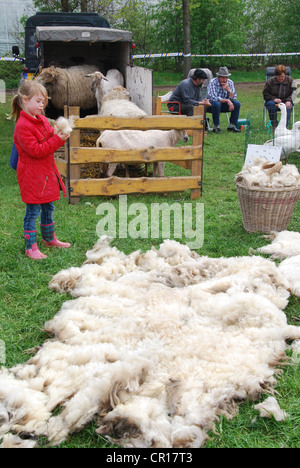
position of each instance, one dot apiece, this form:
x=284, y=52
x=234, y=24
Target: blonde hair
x=27, y=89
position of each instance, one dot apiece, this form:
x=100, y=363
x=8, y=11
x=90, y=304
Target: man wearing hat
x=222, y=95
x=188, y=94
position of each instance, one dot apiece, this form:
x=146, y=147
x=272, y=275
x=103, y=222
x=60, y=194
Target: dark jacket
x=273, y=89
x=38, y=176
x=187, y=93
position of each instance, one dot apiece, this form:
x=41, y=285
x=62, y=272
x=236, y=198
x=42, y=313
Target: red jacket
x=38, y=176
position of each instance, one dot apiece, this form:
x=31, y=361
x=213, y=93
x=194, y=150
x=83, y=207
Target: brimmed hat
x=199, y=74
x=223, y=71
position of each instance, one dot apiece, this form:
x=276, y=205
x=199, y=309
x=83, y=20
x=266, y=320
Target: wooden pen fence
x=189, y=157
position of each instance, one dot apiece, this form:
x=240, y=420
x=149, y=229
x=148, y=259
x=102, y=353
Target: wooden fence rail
x=189, y=157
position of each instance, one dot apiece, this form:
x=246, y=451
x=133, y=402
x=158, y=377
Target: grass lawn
x=26, y=302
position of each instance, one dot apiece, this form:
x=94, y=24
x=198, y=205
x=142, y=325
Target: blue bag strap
x=14, y=157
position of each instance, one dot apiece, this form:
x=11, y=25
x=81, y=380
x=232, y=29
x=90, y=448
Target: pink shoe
x=56, y=243
x=34, y=253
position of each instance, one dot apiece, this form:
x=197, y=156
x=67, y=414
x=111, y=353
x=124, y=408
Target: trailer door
x=139, y=83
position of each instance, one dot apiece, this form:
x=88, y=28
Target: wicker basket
x=267, y=209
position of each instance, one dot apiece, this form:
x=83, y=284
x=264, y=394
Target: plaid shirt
x=215, y=92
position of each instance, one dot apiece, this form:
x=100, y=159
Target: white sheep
x=69, y=86
x=118, y=92
x=117, y=103
x=101, y=85
x=133, y=139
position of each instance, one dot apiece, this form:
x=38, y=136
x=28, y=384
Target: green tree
x=273, y=27
x=166, y=34
x=218, y=26
x=135, y=16
x=290, y=26
x=56, y=5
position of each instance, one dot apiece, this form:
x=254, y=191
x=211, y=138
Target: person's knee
x=189, y=111
x=216, y=105
x=237, y=104
x=271, y=104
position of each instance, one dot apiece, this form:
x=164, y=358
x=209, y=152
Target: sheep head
x=118, y=92
x=47, y=76
x=97, y=77
x=183, y=135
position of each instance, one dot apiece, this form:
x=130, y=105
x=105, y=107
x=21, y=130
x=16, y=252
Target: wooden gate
x=189, y=157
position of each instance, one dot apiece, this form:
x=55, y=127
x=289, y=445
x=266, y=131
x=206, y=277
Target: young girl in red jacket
x=39, y=180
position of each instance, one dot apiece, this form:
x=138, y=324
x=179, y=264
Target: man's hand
x=226, y=87
x=205, y=102
x=230, y=105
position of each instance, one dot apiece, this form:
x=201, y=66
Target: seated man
x=222, y=95
x=188, y=94
x=278, y=89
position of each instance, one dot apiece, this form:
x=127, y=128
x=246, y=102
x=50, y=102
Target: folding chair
x=270, y=72
x=172, y=110
x=165, y=98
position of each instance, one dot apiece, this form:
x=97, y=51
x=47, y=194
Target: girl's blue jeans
x=34, y=211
